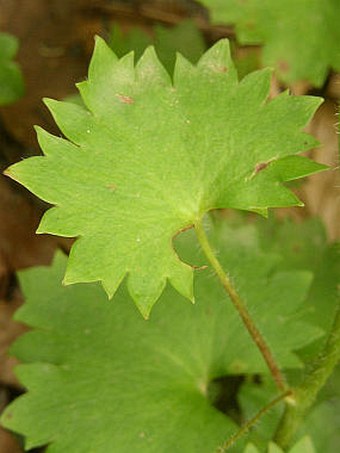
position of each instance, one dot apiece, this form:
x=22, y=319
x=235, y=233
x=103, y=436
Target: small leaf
x=305, y=445
x=250, y=448
x=273, y=448
x=323, y=422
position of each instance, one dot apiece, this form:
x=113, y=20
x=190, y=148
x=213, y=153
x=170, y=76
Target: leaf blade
x=142, y=163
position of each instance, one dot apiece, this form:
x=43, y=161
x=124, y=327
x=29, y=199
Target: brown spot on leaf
x=9, y=415
x=199, y=268
x=283, y=66
x=296, y=248
x=112, y=187
x=260, y=166
x=250, y=24
x=125, y=99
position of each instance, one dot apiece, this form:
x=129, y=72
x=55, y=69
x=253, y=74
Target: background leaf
x=304, y=445
x=300, y=37
x=305, y=246
x=11, y=81
x=184, y=37
x=100, y=378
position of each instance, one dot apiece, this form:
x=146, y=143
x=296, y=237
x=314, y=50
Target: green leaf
x=150, y=157
x=305, y=445
x=256, y=393
x=305, y=246
x=102, y=379
x=323, y=422
x=184, y=37
x=11, y=81
x=300, y=38
x=273, y=448
x=136, y=40
x=250, y=448
x=252, y=272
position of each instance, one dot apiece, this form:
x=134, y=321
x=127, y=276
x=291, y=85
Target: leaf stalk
x=307, y=392
x=252, y=422
x=241, y=308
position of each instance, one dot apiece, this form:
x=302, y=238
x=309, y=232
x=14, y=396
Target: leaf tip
x=69, y=278
x=10, y=173
x=40, y=229
x=99, y=41
x=7, y=172
x=144, y=309
x=150, y=68
x=48, y=101
x=268, y=72
x=263, y=212
x=102, y=48
x=217, y=58
x=65, y=281
x=149, y=54
x=146, y=315
x=145, y=303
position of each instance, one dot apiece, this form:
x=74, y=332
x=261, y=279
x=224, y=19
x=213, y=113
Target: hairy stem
x=241, y=308
x=252, y=422
x=306, y=393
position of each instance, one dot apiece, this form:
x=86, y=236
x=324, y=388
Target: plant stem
x=306, y=393
x=250, y=423
x=241, y=308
